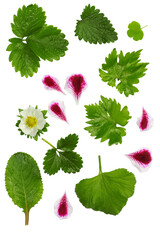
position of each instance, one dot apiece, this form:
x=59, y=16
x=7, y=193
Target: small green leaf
x=23, y=58
x=106, y=119
x=52, y=162
x=135, y=31
x=71, y=162
x=107, y=192
x=94, y=27
x=123, y=71
x=23, y=181
x=69, y=143
x=48, y=43
x=28, y=20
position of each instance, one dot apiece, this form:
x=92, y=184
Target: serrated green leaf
x=52, y=162
x=69, y=143
x=28, y=20
x=106, y=119
x=63, y=157
x=94, y=27
x=135, y=31
x=71, y=162
x=23, y=58
x=48, y=43
x=123, y=71
x=108, y=192
x=23, y=181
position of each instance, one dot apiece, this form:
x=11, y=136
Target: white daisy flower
x=32, y=120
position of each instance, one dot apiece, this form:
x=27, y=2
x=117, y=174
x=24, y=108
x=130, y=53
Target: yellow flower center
x=31, y=121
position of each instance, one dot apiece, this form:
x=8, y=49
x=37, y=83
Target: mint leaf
x=135, y=31
x=36, y=40
x=69, y=143
x=23, y=182
x=94, y=27
x=106, y=119
x=23, y=58
x=107, y=192
x=48, y=43
x=63, y=156
x=28, y=20
x=52, y=162
x=123, y=71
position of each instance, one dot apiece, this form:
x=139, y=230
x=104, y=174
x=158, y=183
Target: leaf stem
x=26, y=217
x=48, y=143
x=100, y=166
x=144, y=26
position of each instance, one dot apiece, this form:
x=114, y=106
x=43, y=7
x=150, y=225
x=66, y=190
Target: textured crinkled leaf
x=23, y=181
x=135, y=31
x=106, y=119
x=108, y=192
x=71, y=162
x=123, y=71
x=28, y=20
x=94, y=27
x=52, y=162
x=69, y=143
x=23, y=58
x=48, y=43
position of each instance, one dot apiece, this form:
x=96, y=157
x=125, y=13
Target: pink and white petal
x=51, y=83
x=145, y=121
x=76, y=84
x=141, y=159
x=56, y=109
x=63, y=208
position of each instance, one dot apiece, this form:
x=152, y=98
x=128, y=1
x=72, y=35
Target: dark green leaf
x=69, y=143
x=71, y=162
x=52, y=162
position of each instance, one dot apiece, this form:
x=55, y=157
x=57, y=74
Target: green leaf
x=123, y=71
x=52, y=162
x=28, y=20
x=94, y=27
x=48, y=43
x=63, y=157
x=69, y=143
x=23, y=58
x=106, y=119
x=107, y=192
x=23, y=182
x=135, y=31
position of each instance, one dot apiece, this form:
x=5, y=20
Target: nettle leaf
x=28, y=20
x=63, y=157
x=107, y=192
x=123, y=71
x=23, y=58
x=23, y=182
x=94, y=27
x=36, y=40
x=106, y=119
x=135, y=31
x=48, y=43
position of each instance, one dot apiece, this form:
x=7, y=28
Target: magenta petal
x=144, y=122
x=51, y=83
x=76, y=83
x=56, y=109
x=141, y=158
x=63, y=208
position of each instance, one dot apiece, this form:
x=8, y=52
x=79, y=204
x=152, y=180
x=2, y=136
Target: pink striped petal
x=141, y=159
x=63, y=208
x=51, y=83
x=56, y=109
x=76, y=84
x=145, y=121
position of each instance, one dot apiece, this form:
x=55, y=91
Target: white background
x=139, y=219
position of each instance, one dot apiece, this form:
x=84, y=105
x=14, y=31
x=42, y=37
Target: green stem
x=100, y=166
x=26, y=217
x=144, y=26
x=48, y=143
